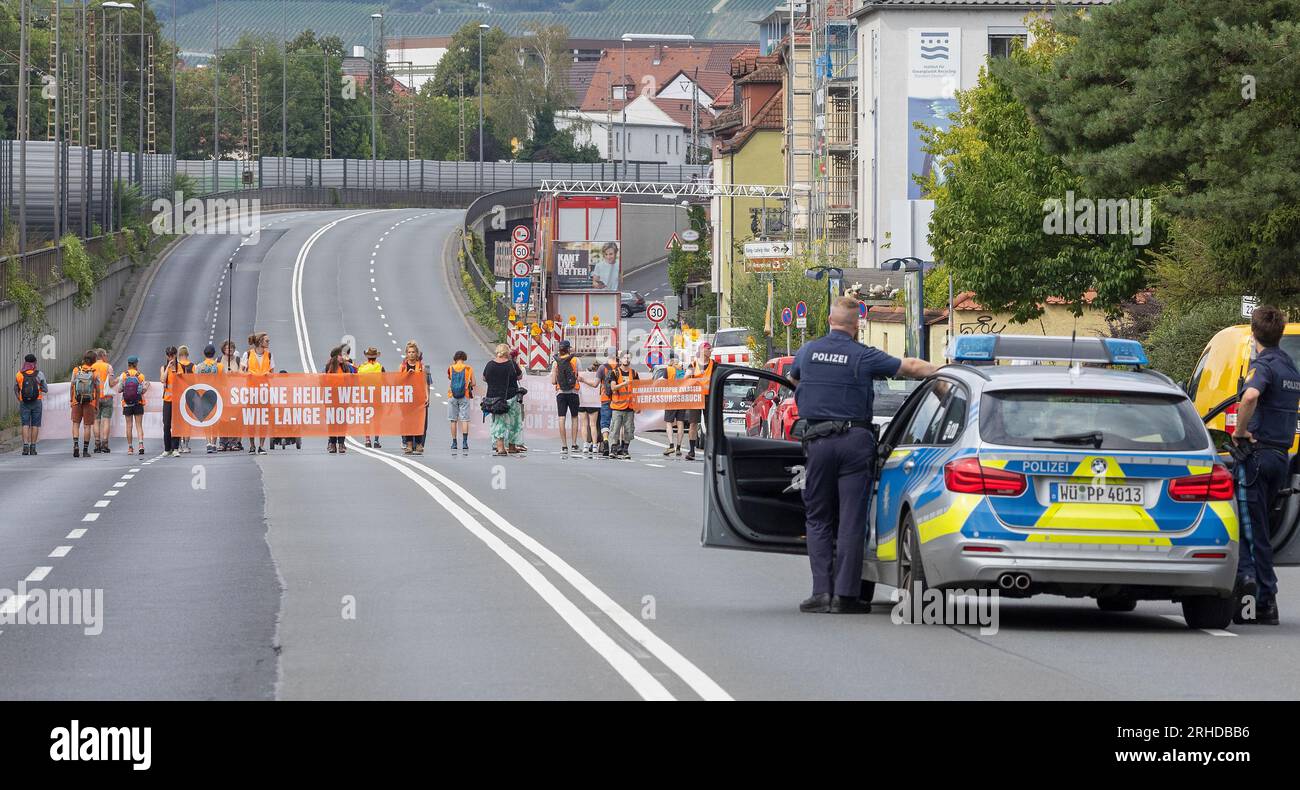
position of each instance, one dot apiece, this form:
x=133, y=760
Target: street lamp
x=374, y=140
x=832, y=275
x=914, y=303
x=482, y=28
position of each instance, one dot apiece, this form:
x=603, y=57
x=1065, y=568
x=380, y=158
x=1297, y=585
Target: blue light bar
x=1036, y=348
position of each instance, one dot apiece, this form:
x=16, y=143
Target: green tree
x=460, y=64
x=549, y=144
x=529, y=77
x=1196, y=101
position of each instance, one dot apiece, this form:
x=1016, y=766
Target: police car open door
x=750, y=502
x=1284, y=518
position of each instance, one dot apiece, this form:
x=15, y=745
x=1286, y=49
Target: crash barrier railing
x=43, y=267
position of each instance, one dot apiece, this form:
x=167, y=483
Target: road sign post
x=787, y=318
x=801, y=320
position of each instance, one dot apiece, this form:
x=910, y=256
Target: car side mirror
x=1220, y=440
x=770, y=395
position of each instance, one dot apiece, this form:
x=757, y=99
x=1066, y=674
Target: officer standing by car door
x=833, y=389
x=1266, y=426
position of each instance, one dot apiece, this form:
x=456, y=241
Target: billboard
x=933, y=75
x=587, y=265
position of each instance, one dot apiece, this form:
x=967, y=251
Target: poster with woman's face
x=587, y=266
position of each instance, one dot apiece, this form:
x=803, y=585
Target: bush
x=27, y=297
x=1180, y=336
x=80, y=269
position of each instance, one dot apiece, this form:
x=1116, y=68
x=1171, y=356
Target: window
x=955, y=417
x=656, y=142
x=1195, y=381
x=1091, y=420
x=927, y=411
x=1002, y=44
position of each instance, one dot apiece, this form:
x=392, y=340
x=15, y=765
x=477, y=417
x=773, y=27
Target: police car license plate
x=1097, y=494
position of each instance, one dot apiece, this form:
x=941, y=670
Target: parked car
x=633, y=303
x=774, y=413
x=731, y=346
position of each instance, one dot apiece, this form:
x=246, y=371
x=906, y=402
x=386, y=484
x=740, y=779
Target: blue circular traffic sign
x=862, y=309
x=801, y=309
x=787, y=317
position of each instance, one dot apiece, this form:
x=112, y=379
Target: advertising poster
x=587, y=266
x=933, y=75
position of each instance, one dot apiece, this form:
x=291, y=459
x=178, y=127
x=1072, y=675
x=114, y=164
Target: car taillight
x=1217, y=486
x=968, y=476
x=1230, y=419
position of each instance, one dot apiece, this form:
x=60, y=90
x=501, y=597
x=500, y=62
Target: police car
x=1073, y=478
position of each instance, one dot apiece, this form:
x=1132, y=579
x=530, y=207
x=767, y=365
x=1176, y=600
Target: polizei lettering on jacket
x=830, y=359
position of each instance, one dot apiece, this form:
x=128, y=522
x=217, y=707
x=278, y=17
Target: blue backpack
x=458, y=383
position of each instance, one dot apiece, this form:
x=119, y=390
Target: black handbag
x=495, y=405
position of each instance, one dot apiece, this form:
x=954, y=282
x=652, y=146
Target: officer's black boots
x=1267, y=614
x=845, y=605
x=817, y=604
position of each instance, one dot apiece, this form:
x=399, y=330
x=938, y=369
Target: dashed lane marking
x=61, y=551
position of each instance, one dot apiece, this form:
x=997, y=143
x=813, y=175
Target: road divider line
x=692, y=675
x=61, y=551
x=102, y=502
x=75, y=534
x=39, y=573
x=90, y=517
x=615, y=655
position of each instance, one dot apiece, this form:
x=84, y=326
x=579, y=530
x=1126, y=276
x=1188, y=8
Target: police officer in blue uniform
x=1269, y=401
x=833, y=388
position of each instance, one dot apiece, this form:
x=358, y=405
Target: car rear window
x=731, y=337
x=1291, y=345
x=739, y=394
x=1074, y=420
x=890, y=394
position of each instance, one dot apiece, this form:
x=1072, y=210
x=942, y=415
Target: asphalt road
x=303, y=575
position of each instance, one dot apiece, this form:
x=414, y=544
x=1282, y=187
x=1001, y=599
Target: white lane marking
x=134, y=470
x=103, y=502
x=90, y=517
x=1177, y=618
x=75, y=534
x=693, y=676
x=127, y=477
x=656, y=466
x=14, y=604
x=615, y=655
x=119, y=485
x=697, y=474
x=650, y=441
x=112, y=493
x=39, y=574
x=61, y=551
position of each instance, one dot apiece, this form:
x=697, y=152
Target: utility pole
x=460, y=103
x=481, y=28
x=325, y=81
x=216, y=98
x=139, y=135
x=374, y=138
x=87, y=106
x=284, y=94
x=22, y=127
x=173, y=73
x=56, y=55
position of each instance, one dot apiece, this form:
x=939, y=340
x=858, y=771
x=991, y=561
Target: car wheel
x=1116, y=603
x=910, y=570
x=1207, y=611
x=625, y=311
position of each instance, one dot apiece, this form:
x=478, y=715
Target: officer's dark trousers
x=1263, y=472
x=837, y=493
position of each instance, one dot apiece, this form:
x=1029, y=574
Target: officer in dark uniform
x=833, y=377
x=1266, y=427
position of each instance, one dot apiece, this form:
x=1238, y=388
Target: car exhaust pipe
x=1022, y=581
x=1007, y=581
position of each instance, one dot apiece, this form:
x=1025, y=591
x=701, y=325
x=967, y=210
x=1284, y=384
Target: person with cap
x=833, y=377
x=30, y=388
x=210, y=366
x=133, y=385
x=700, y=367
x=564, y=377
x=371, y=366
x=1266, y=427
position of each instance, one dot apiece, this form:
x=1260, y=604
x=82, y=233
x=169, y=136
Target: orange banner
x=290, y=405
x=685, y=393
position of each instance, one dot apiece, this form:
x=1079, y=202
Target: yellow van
x=1222, y=368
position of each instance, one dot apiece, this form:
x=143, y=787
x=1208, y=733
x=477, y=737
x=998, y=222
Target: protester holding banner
x=258, y=362
x=183, y=366
x=230, y=363
x=371, y=365
x=672, y=417
x=701, y=366
x=165, y=376
x=210, y=367
x=414, y=363
x=606, y=412
x=622, y=427
x=337, y=366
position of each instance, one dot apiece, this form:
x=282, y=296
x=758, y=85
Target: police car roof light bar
x=1095, y=350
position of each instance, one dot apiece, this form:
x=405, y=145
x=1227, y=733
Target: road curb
x=457, y=291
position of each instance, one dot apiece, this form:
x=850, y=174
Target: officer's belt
x=820, y=429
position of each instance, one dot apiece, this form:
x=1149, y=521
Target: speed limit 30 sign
x=656, y=312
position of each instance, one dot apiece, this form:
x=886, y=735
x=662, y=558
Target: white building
x=654, y=132
x=912, y=56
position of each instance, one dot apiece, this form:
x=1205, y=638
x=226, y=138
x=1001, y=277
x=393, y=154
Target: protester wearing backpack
x=564, y=376
x=30, y=387
x=104, y=416
x=84, y=392
x=460, y=393
x=133, y=385
x=210, y=367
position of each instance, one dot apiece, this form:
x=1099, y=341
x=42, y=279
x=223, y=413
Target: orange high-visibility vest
x=259, y=364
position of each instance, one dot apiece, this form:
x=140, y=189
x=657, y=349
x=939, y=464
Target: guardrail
x=43, y=267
